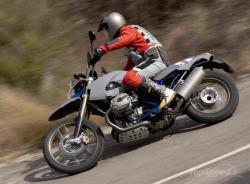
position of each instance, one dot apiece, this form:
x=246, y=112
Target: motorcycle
x=205, y=95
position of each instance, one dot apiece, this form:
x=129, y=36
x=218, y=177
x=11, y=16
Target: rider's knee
x=132, y=80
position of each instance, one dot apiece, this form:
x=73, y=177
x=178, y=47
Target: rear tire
x=212, y=118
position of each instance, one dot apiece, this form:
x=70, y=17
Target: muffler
x=193, y=80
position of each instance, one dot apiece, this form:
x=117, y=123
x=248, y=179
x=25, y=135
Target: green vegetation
x=41, y=38
x=32, y=36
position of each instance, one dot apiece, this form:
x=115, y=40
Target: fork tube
x=82, y=115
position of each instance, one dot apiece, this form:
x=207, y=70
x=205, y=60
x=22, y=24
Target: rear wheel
x=214, y=100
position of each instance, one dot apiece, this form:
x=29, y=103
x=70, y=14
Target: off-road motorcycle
x=205, y=95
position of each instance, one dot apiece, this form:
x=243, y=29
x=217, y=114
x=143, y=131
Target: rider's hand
x=96, y=56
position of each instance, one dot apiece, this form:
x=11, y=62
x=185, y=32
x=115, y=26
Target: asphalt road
x=187, y=153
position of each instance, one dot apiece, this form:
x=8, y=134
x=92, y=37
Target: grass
x=23, y=121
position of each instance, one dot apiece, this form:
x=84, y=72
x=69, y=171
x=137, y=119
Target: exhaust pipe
x=192, y=81
x=122, y=130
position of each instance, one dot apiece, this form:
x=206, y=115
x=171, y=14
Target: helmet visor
x=102, y=26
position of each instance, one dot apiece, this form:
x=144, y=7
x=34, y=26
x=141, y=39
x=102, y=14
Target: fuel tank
x=98, y=87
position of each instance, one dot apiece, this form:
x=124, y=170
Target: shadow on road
x=242, y=178
x=38, y=170
x=182, y=125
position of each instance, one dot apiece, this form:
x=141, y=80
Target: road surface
x=187, y=153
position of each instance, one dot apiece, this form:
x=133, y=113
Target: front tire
x=227, y=111
x=74, y=167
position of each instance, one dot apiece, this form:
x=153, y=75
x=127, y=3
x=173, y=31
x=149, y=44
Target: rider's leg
x=148, y=85
x=138, y=79
x=151, y=87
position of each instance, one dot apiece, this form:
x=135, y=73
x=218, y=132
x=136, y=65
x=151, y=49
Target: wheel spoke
x=59, y=134
x=66, y=129
x=77, y=161
x=91, y=144
x=56, y=153
x=81, y=157
x=59, y=157
x=66, y=162
x=87, y=152
x=91, y=148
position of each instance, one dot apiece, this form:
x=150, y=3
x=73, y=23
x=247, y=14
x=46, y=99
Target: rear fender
x=216, y=64
x=205, y=60
x=67, y=108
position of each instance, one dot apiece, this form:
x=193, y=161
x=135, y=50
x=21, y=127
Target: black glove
x=96, y=56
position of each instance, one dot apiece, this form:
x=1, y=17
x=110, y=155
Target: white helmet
x=112, y=23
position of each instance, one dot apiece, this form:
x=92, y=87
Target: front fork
x=81, y=115
x=83, y=111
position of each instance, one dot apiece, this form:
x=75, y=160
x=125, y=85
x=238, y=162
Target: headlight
x=75, y=86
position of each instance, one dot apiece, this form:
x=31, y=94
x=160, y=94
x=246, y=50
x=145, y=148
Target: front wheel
x=214, y=100
x=71, y=157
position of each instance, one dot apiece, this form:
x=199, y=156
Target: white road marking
x=203, y=164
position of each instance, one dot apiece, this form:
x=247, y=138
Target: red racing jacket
x=131, y=37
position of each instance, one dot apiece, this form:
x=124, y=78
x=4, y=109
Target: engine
x=124, y=108
x=126, y=112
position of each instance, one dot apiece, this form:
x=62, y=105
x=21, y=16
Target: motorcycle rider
x=145, y=55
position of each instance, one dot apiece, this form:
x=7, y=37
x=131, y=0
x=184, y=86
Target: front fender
x=67, y=108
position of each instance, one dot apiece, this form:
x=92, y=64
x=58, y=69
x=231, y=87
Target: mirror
x=92, y=36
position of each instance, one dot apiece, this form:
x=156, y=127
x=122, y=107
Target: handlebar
x=91, y=62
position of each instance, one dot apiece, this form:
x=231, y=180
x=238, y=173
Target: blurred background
x=43, y=43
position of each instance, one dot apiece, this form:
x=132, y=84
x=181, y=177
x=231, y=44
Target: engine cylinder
x=121, y=103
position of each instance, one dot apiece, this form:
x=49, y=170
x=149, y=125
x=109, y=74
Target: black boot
x=150, y=87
